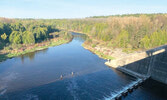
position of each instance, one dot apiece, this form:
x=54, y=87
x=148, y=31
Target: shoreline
x=102, y=51
x=98, y=53
x=35, y=47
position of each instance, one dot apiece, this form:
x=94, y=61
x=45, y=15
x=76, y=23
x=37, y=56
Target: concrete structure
x=152, y=63
x=129, y=89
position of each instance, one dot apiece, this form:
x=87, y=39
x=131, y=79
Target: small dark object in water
x=61, y=77
x=72, y=73
x=136, y=86
x=118, y=97
x=125, y=93
x=130, y=89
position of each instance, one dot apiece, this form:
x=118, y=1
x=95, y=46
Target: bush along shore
x=14, y=50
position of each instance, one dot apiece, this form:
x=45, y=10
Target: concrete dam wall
x=151, y=63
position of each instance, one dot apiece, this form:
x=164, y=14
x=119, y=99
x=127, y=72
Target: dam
x=151, y=63
x=142, y=65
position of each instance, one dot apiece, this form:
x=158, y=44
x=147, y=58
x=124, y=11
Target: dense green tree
x=145, y=42
x=15, y=37
x=17, y=27
x=122, y=40
x=41, y=33
x=28, y=38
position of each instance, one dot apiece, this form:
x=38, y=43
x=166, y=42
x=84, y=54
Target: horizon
x=64, y=9
x=87, y=16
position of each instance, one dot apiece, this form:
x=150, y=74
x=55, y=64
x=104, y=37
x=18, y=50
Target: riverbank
x=102, y=50
x=6, y=54
x=101, y=54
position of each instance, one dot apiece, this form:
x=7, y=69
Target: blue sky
x=77, y=8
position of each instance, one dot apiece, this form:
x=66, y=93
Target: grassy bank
x=35, y=47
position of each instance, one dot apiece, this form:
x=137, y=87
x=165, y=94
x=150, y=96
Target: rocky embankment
x=106, y=52
x=127, y=59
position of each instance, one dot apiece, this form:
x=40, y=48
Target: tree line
x=18, y=33
x=125, y=31
x=24, y=32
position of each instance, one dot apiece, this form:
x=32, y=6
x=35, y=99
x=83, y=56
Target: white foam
x=72, y=87
x=113, y=95
x=3, y=90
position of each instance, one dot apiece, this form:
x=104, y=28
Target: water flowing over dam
x=70, y=72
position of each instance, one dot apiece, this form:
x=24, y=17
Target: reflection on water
x=31, y=55
x=36, y=76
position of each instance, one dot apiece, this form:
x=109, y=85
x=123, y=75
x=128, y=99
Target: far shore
x=32, y=48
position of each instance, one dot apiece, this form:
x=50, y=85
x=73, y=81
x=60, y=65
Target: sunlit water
x=36, y=76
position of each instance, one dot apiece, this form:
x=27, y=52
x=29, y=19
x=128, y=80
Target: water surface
x=36, y=76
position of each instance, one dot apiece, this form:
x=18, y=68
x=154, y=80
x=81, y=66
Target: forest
x=136, y=31
x=20, y=31
x=21, y=36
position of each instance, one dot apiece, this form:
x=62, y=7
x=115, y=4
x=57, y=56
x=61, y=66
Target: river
x=36, y=76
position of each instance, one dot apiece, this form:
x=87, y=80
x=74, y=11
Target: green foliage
x=126, y=31
x=15, y=37
x=17, y=27
x=122, y=40
x=41, y=33
x=155, y=39
x=93, y=45
x=145, y=42
x=28, y=38
x=4, y=36
x=111, y=29
x=25, y=32
x=5, y=28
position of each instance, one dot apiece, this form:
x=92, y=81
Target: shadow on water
x=31, y=55
x=3, y=57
